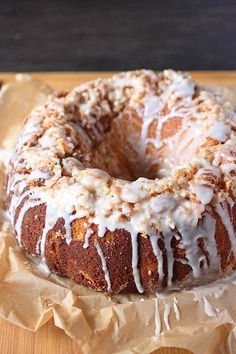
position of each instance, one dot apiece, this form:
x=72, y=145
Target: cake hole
x=121, y=153
x=122, y=150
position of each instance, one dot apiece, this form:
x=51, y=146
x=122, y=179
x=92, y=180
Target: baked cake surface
x=128, y=183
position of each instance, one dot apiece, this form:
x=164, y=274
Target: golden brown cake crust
x=77, y=202
x=84, y=265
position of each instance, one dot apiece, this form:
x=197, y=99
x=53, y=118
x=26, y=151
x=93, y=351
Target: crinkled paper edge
x=100, y=323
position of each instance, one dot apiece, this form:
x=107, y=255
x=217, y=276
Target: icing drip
x=67, y=226
x=51, y=217
x=192, y=252
x=209, y=229
x=208, y=308
x=158, y=254
x=157, y=319
x=23, y=210
x=50, y=221
x=176, y=309
x=227, y=222
x=152, y=106
x=134, y=240
x=87, y=235
x=15, y=202
x=104, y=266
x=167, y=308
x=170, y=256
x=230, y=202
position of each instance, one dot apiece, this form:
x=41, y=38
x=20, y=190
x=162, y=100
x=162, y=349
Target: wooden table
x=50, y=339
x=117, y=35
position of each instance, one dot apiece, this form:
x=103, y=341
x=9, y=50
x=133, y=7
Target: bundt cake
x=128, y=183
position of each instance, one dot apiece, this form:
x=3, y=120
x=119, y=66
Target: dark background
x=117, y=35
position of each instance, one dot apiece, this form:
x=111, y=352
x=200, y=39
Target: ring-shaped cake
x=128, y=183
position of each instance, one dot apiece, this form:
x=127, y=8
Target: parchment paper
x=202, y=320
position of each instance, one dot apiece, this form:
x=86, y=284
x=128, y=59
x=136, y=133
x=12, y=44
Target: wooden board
x=66, y=80
x=50, y=339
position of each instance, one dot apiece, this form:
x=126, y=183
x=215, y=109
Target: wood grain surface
x=67, y=80
x=117, y=35
x=47, y=340
x=50, y=339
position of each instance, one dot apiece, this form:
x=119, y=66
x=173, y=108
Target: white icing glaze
x=219, y=131
x=38, y=174
x=152, y=106
x=87, y=235
x=158, y=254
x=50, y=221
x=18, y=225
x=208, y=308
x=167, y=309
x=203, y=194
x=157, y=319
x=229, y=167
x=135, y=262
x=176, y=309
x=104, y=267
x=228, y=224
x=183, y=86
x=208, y=231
